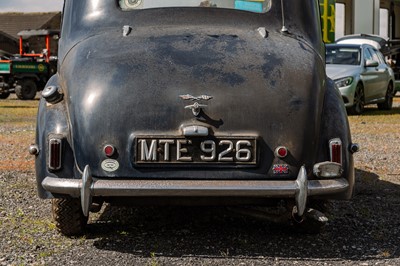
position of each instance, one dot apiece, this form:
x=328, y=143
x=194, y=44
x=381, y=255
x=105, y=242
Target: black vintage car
x=192, y=102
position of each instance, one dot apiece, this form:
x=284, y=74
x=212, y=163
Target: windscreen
x=258, y=6
x=343, y=56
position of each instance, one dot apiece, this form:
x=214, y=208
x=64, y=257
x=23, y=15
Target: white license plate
x=208, y=150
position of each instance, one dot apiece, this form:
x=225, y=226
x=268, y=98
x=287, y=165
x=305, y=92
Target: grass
x=17, y=132
x=16, y=111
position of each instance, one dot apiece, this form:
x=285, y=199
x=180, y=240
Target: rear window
x=257, y=6
x=343, y=56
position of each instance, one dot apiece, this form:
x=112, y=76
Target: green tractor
x=28, y=72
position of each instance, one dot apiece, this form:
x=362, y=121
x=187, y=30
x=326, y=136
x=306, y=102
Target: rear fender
x=335, y=124
x=52, y=121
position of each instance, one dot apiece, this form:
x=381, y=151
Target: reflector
x=109, y=150
x=281, y=152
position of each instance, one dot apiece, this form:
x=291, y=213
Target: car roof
x=378, y=42
x=41, y=32
x=347, y=45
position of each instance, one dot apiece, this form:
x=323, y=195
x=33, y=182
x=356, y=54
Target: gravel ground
x=363, y=231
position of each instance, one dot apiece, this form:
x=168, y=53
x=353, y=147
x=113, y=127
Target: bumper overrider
x=299, y=189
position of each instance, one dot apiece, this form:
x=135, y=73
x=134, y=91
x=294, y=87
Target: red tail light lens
x=335, y=147
x=55, y=150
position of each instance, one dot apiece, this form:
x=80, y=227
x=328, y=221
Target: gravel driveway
x=363, y=231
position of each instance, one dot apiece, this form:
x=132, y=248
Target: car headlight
x=344, y=82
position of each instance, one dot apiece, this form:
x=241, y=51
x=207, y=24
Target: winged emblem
x=196, y=107
x=195, y=98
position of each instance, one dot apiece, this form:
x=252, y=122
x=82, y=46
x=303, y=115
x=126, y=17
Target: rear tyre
x=359, y=101
x=388, y=103
x=68, y=216
x=4, y=95
x=26, y=89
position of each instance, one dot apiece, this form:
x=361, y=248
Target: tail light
x=335, y=148
x=55, y=151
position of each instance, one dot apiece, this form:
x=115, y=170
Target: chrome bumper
x=298, y=189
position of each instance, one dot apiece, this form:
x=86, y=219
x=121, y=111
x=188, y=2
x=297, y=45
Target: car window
x=383, y=60
x=367, y=54
x=342, y=55
x=381, y=57
x=375, y=56
x=258, y=6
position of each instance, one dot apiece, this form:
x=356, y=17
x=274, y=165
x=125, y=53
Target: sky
x=30, y=5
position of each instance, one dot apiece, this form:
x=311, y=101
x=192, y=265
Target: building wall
x=37, y=44
x=348, y=15
x=362, y=16
x=11, y=43
x=7, y=44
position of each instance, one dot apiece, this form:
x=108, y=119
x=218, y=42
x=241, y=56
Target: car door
x=372, y=76
x=385, y=68
x=378, y=90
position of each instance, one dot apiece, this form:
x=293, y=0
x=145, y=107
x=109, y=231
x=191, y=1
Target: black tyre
x=388, y=103
x=26, y=89
x=68, y=216
x=359, y=101
x=4, y=95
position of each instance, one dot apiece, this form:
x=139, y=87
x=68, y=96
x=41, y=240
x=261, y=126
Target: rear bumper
x=298, y=189
x=195, y=188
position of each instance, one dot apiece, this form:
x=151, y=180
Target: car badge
x=280, y=169
x=109, y=165
x=195, y=107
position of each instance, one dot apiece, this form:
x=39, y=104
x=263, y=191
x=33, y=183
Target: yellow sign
x=327, y=9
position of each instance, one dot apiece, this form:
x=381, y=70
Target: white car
x=361, y=74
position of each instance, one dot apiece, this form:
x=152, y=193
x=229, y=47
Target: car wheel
x=388, y=103
x=359, y=101
x=26, y=89
x=4, y=95
x=68, y=216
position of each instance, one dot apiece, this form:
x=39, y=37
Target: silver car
x=361, y=74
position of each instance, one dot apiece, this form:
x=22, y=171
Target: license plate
x=208, y=150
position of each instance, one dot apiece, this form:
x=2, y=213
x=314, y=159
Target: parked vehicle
x=389, y=48
x=362, y=76
x=178, y=102
x=27, y=72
